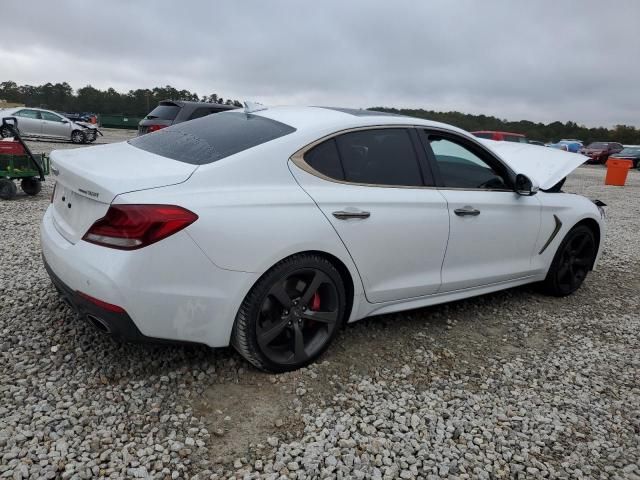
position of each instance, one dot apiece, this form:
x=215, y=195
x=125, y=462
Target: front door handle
x=467, y=212
x=345, y=215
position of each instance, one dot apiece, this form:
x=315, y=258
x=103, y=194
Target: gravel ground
x=508, y=385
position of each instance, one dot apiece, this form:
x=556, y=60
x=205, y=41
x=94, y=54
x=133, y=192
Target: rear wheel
x=291, y=315
x=572, y=262
x=8, y=189
x=5, y=132
x=31, y=186
x=77, y=137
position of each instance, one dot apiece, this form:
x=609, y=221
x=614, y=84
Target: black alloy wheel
x=572, y=262
x=291, y=315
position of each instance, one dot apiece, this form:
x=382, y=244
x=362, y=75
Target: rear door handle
x=467, y=212
x=346, y=215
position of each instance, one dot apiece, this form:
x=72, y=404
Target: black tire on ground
x=8, y=189
x=572, y=262
x=31, y=186
x=78, y=137
x=6, y=132
x=291, y=315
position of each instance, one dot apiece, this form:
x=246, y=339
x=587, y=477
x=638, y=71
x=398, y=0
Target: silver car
x=36, y=122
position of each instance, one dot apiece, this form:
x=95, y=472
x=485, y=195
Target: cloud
x=542, y=61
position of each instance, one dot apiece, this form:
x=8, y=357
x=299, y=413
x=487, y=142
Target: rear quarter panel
x=252, y=213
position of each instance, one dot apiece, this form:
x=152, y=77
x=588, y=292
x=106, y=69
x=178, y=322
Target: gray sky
x=539, y=60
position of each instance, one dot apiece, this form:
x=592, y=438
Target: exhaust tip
x=99, y=324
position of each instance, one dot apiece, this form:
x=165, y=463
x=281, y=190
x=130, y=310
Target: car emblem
x=55, y=171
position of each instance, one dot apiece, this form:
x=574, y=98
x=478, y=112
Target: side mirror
x=65, y=121
x=525, y=186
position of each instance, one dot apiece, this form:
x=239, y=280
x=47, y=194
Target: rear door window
x=164, y=112
x=379, y=157
x=28, y=113
x=211, y=138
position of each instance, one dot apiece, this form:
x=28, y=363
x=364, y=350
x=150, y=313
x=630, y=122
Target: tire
x=5, y=132
x=571, y=264
x=31, y=186
x=291, y=315
x=8, y=189
x=78, y=137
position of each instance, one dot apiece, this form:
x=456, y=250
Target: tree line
x=551, y=132
x=61, y=97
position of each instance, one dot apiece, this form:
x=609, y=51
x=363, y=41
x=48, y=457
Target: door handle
x=467, y=212
x=345, y=215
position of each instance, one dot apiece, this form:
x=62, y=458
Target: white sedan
x=268, y=229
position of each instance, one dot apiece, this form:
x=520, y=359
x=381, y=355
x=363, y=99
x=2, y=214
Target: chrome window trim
x=298, y=159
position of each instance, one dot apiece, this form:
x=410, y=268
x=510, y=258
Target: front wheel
x=77, y=137
x=572, y=262
x=291, y=315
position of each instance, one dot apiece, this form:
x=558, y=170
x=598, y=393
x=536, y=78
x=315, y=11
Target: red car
x=598, y=152
x=501, y=136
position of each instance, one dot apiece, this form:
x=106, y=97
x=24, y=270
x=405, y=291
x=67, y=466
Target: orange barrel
x=617, y=172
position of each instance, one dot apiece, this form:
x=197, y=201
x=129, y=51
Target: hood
x=105, y=171
x=547, y=166
x=86, y=125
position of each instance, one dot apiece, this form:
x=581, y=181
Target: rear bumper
x=119, y=325
x=169, y=291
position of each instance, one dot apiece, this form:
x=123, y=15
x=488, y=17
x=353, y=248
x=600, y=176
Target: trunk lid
x=547, y=166
x=88, y=179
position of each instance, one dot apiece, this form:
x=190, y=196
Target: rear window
x=598, y=146
x=211, y=138
x=164, y=112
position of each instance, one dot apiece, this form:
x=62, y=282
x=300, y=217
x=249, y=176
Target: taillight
x=153, y=128
x=128, y=227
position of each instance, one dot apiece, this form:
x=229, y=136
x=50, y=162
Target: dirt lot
x=508, y=385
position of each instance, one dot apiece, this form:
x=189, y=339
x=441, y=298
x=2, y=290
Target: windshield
x=630, y=151
x=211, y=138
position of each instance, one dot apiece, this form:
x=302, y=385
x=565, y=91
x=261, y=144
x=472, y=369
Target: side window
x=460, y=167
x=51, y=117
x=200, y=112
x=324, y=158
x=28, y=114
x=379, y=157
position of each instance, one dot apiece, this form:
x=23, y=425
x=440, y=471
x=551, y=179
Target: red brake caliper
x=315, y=302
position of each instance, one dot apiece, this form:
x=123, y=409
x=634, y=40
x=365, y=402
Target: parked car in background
x=169, y=239
x=573, y=146
x=501, y=136
x=566, y=145
x=629, y=153
x=598, y=152
x=36, y=122
x=536, y=142
x=170, y=112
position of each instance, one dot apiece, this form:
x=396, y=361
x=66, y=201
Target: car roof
x=336, y=118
